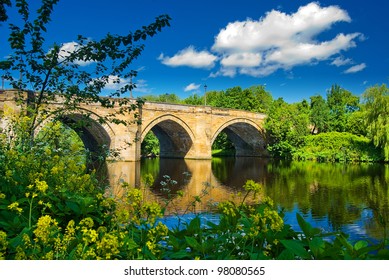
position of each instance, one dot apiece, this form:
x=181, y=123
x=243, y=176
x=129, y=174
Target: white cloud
x=67, y=49
x=191, y=87
x=275, y=41
x=281, y=41
x=142, y=86
x=224, y=71
x=341, y=61
x=296, y=53
x=242, y=60
x=190, y=57
x=115, y=82
x=277, y=29
x=263, y=71
x=355, y=68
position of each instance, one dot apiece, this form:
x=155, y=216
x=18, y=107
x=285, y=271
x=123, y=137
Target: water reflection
x=350, y=197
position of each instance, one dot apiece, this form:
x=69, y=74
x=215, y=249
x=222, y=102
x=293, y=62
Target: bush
x=337, y=147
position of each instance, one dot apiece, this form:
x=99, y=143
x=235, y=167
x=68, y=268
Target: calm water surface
x=348, y=197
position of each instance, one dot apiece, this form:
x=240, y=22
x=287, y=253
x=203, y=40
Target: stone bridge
x=184, y=131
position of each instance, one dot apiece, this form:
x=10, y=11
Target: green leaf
x=317, y=246
x=131, y=244
x=297, y=248
x=345, y=243
x=383, y=254
x=173, y=241
x=306, y=227
x=183, y=254
x=286, y=255
x=194, y=225
x=73, y=206
x=192, y=242
x=360, y=244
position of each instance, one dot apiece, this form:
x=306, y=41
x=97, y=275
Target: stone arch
x=174, y=135
x=247, y=136
x=94, y=134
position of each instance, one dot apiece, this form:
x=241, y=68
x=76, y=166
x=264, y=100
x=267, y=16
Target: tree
x=194, y=99
x=165, y=98
x=262, y=98
x=319, y=114
x=3, y=13
x=299, y=113
x=341, y=103
x=356, y=123
x=287, y=125
x=278, y=124
x=254, y=99
x=215, y=98
x=56, y=73
x=169, y=98
x=43, y=176
x=150, y=145
x=377, y=116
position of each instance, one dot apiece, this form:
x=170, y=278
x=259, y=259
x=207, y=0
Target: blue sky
x=295, y=48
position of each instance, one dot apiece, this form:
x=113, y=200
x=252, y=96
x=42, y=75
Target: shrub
x=337, y=147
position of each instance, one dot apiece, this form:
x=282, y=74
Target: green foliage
x=286, y=125
x=255, y=99
x=222, y=142
x=341, y=104
x=194, y=99
x=377, y=111
x=314, y=244
x=51, y=208
x=150, y=145
x=3, y=13
x=165, y=98
x=45, y=69
x=319, y=114
x=337, y=146
x=255, y=230
x=356, y=123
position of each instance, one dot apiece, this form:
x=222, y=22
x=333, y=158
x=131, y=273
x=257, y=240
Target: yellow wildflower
x=26, y=241
x=108, y=246
x=87, y=222
x=3, y=244
x=41, y=186
x=151, y=246
x=89, y=235
x=15, y=207
x=45, y=227
x=251, y=185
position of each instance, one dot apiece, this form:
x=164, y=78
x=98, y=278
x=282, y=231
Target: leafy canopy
x=76, y=76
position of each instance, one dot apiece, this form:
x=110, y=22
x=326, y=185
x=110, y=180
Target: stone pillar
x=201, y=124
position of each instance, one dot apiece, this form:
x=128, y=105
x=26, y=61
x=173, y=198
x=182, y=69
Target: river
x=333, y=196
